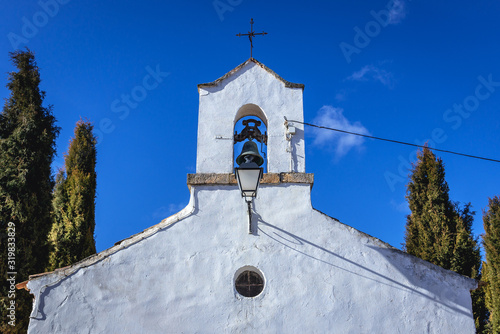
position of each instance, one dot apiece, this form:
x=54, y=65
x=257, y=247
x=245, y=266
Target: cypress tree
x=491, y=271
x=430, y=226
x=27, y=148
x=72, y=235
x=438, y=230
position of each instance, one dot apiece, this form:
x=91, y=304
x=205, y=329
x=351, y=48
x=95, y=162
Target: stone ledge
x=230, y=179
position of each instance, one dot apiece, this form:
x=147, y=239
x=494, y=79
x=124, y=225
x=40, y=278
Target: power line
x=394, y=141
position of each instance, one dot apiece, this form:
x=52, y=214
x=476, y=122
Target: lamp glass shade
x=248, y=176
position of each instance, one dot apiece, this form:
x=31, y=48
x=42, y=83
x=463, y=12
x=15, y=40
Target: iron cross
x=251, y=34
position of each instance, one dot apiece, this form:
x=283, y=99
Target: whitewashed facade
x=320, y=276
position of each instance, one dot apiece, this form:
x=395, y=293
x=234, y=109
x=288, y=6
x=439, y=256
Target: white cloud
x=397, y=11
x=370, y=72
x=342, y=143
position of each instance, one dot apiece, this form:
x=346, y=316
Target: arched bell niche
x=244, y=114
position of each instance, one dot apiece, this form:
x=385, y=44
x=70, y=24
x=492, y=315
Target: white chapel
x=262, y=260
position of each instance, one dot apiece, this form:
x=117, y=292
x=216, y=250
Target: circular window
x=249, y=283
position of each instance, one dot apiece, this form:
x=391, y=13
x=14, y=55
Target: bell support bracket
x=251, y=132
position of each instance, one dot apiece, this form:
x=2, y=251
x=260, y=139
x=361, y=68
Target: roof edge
x=215, y=83
x=431, y=265
x=68, y=270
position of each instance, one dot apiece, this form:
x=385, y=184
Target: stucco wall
x=321, y=276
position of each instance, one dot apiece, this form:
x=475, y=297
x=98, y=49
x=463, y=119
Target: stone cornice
x=230, y=179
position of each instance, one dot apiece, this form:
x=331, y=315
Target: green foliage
x=437, y=230
x=466, y=259
x=491, y=271
x=430, y=227
x=72, y=235
x=27, y=148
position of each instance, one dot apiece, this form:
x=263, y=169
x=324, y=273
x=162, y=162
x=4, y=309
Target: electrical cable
x=395, y=141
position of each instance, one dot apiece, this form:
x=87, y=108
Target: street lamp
x=249, y=174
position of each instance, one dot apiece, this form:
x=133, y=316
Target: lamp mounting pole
x=249, y=203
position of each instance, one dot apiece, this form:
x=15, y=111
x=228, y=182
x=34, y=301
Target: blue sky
x=414, y=71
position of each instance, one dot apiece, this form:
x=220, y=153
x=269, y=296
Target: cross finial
x=251, y=34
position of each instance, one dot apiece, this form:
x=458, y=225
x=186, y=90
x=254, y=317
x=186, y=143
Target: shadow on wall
x=417, y=271
x=292, y=148
x=401, y=261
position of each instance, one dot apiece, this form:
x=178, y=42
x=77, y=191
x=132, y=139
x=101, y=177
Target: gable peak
x=238, y=68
